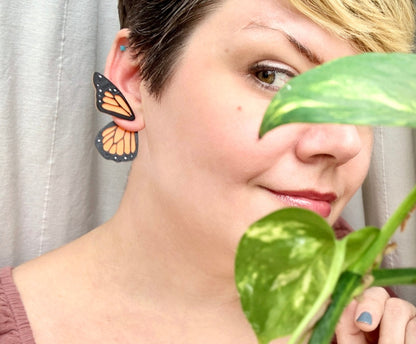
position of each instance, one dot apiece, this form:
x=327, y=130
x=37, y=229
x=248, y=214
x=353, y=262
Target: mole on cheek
x=239, y=108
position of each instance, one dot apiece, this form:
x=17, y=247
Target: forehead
x=237, y=17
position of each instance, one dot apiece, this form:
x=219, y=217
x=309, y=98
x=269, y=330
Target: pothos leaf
x=364, y=89
x=357, y=243
x=287, y=265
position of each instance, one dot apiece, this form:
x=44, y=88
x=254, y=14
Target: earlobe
x=123, y=71
x=136, y=125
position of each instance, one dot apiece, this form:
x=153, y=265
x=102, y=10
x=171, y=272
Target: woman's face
x=205, y=161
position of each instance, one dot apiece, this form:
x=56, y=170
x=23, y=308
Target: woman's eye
x=272, y=78
x=266, y=76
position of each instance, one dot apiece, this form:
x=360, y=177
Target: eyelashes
x=270, y=76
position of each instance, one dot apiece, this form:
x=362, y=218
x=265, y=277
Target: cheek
x=357, y=169
x=368, y=143
x=216, y=129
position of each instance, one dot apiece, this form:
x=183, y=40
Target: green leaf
x=364, y=89
x=357, y=243
x=287, y=265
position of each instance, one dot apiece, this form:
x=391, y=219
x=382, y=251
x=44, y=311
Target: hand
x=377, y=318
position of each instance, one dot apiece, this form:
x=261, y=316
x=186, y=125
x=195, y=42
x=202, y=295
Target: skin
x=164, y=262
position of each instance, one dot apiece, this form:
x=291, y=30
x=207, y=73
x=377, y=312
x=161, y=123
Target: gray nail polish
x=365, y=318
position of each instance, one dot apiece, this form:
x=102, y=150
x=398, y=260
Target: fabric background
x=54, y=186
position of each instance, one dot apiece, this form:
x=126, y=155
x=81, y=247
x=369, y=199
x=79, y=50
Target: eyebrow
x=305, y=51
x=301, y=48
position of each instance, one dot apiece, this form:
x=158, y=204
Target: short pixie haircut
x=159, y=28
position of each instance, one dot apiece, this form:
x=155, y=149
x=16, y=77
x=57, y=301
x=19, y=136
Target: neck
x=159, y=263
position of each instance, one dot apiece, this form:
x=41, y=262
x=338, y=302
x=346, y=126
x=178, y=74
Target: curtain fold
x=391, y=177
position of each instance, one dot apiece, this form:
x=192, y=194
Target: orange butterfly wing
x=113, y=142
x=117, y=144
x=109, y=99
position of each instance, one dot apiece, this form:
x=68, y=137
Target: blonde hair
x=370, y=25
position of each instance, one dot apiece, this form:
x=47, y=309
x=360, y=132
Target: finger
x=370, y=308
x=411, y=332
x=398, y=314
x=347, y=331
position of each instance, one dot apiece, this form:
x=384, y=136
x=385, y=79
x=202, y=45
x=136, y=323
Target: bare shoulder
x=53, y=289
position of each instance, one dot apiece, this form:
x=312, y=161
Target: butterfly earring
x=113, y=142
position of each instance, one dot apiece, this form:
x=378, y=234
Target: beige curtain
x=53, y=185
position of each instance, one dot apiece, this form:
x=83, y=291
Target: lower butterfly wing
x=117, y=144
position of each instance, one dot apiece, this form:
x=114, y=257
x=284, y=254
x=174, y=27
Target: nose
x=335, y=142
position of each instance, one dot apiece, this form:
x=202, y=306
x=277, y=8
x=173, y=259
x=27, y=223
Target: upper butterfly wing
x=109, y=99
x=117, y=144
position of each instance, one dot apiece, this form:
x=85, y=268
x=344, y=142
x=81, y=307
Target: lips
x=317, y=202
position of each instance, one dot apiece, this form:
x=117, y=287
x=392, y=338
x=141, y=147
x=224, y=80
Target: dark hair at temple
x=158, y=32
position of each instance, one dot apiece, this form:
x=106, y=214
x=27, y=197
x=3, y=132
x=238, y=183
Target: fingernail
x=365, y=318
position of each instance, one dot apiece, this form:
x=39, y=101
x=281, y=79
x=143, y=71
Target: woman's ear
x=122, y=69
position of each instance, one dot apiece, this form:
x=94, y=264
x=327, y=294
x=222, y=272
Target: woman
x=199, y=75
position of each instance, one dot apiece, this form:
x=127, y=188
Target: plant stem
x=343, y=293
x=368, y=259
x=386, y=277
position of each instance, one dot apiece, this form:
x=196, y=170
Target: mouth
x=320, y=203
